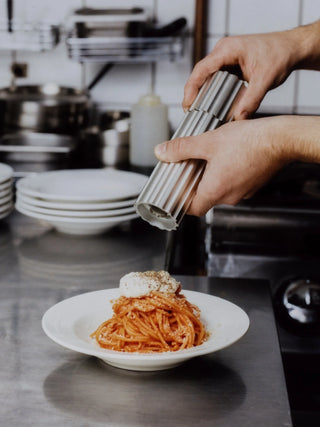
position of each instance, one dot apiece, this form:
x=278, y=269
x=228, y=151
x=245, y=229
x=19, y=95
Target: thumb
x=250, y=100
x=178, y=149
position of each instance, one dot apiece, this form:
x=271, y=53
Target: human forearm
x=265, y=61
x=243, y=155
x=299, y=136
x=306, y=42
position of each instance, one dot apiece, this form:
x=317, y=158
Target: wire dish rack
x=125, y=49
x=34, y=37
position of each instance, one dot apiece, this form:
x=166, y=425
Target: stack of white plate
x=6, y=193
x=81, y=202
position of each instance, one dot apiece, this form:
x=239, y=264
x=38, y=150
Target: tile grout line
x=227, y=19
x=298, y=73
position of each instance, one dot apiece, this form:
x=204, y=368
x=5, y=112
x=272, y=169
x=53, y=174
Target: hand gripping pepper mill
x=170, y=188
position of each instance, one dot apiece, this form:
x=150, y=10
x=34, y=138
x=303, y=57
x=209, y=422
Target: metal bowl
x=35, y=147
x=47, y=108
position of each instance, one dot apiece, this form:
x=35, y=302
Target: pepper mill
x=170, y=188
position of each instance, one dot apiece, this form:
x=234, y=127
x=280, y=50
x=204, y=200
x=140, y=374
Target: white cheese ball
x=138, y=284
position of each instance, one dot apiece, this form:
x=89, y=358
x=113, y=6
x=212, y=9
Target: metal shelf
x=124, y=49
x=35, y=37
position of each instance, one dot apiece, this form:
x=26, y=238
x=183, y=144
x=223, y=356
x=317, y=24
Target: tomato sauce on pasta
x=154, y=323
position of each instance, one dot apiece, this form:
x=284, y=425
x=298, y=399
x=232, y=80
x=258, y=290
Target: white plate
x=79, y=214
x=79, y=220
x=6, y=213
x=6, y=185
x=77, y=226
x=70, y=323
x=6, y=172
x=75, y=205
x=5, y=192
x=6, y=199
x=83, y=185
x=6, y=207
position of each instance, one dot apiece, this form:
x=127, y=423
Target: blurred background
x=126, y=82
x=97, y=83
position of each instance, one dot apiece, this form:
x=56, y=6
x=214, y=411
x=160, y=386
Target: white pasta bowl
x=71, y=322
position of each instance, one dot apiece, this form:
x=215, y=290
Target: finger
x=205, y=200
x=200, y=73
x=190, y=147
x=218, y=58
x=250, y=193
x=199, y=205
x=208, y=193
x=251, y=99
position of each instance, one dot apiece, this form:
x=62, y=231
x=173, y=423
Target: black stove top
x=296, y=186
x=275, y=235
x=283, y=218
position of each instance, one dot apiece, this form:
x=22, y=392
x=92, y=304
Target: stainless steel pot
x=46, y=108
x=107, y=142
x=35, y=147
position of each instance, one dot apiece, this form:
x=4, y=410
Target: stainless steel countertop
x=43, y=384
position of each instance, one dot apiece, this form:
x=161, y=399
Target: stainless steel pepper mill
x=168, y=192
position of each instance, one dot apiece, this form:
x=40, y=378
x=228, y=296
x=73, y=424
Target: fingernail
x=160, y=149
x=244, y=115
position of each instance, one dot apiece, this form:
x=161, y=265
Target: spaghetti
x=156, y=322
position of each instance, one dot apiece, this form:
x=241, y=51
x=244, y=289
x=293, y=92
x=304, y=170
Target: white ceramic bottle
x=149, y=127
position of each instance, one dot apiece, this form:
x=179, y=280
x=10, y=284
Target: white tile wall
x=211, y=42
x=308, y=96
x=308, y=89
x=260, y=16
x=282, y=98
x=104, y=4
x=124, y=84
x=52, y=66
x=217, y=17
x=119, y=85
x=5, y=68
x=310, y=11
x=40, y=10
x=167, y=11
x=172, y=76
